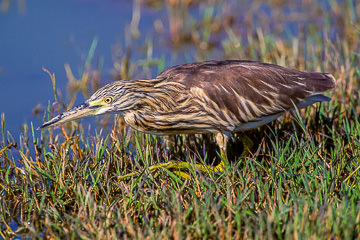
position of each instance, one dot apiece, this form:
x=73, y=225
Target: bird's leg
x=221, y=140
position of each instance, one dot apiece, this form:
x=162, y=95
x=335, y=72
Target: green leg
x=177, y=165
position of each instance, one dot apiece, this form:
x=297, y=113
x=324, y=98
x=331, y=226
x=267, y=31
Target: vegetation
x=301, y=179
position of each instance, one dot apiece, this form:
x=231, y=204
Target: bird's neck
x=152, y=97
x=158, y=95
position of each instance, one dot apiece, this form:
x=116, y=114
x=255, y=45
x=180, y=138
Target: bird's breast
x=142, y=121
x=131, y=119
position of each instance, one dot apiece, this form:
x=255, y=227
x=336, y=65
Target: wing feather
x=251, y=90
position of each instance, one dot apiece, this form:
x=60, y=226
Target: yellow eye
x=108, y=100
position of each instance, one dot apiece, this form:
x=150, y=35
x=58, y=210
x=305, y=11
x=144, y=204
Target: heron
x=221, y=97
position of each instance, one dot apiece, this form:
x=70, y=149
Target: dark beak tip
x=56, y=120
x=45, y=125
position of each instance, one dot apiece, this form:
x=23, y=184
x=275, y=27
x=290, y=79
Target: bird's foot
x=178, y=168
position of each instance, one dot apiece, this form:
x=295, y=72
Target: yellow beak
x=77, y=112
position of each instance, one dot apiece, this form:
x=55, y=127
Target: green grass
x=302, y=179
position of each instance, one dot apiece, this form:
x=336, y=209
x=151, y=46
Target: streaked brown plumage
x=225, y=96
x=220, y=97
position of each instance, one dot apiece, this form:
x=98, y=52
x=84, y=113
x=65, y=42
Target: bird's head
x=112, y=98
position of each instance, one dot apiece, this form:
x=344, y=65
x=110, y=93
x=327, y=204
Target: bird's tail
x=317, y=83
x=320, y=82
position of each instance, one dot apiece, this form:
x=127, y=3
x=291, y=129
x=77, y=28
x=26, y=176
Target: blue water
x=48, y=34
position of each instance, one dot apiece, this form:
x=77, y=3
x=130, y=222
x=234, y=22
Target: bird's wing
x=249, y=89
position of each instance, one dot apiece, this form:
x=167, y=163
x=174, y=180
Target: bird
x=221, y=97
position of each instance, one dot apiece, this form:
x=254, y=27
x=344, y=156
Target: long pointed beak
x=77, y=112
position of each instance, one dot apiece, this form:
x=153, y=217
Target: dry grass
x=302, y=179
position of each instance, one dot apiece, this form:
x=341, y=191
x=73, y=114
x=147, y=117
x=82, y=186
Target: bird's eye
x=108, y=100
